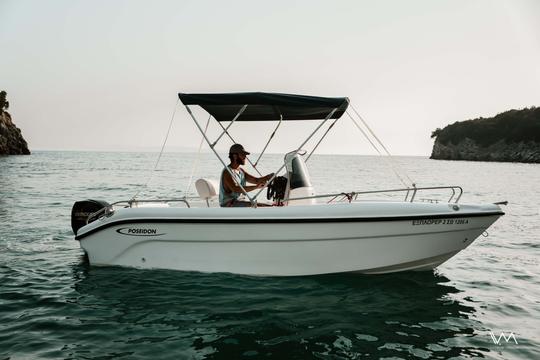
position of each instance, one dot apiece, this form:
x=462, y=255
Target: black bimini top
x=266, y=106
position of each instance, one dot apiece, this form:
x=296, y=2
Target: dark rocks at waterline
x=11, y=139
x=467, y=149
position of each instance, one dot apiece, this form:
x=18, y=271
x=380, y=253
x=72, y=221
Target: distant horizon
x=205, y=149
x=194, y=151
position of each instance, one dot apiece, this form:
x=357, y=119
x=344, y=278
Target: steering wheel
x=270, y=190
x=276, y=189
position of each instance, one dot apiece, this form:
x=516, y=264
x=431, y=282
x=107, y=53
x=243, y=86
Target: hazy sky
x=104, y=75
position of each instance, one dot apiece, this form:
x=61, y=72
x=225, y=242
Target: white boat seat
x=207, y=189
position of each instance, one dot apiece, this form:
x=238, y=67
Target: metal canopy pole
x=322, y=138
x=299, y=148
x=234, y=142
x=270, y=139
x=251, y=200
x=232, y=122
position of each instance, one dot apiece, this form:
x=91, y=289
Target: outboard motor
x=299, y=184
x=82, y=210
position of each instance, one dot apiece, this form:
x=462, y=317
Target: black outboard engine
x=82, y=210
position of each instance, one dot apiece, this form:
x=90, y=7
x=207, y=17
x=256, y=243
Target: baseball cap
x=238, y=149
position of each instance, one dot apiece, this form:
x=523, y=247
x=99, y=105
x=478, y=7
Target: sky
x=104, y=75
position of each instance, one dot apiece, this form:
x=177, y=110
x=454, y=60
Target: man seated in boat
x=230, y=192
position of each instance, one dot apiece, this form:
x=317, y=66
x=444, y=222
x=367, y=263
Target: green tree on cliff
x=4, y=104
x=512, y=126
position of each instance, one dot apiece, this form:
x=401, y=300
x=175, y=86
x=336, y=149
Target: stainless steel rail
x=129, y=203
x=410, y=194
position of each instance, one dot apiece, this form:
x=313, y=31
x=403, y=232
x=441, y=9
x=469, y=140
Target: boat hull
x=307, y=242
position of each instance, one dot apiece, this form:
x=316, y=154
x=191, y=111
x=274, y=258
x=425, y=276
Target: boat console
x=299, y=182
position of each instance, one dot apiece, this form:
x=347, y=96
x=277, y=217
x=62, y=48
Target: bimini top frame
x=258, y=106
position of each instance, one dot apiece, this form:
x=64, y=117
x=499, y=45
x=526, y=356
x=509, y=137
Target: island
x=511, y=136
x=11, y=139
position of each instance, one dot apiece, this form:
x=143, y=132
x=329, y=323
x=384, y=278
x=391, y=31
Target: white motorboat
x=303, y=234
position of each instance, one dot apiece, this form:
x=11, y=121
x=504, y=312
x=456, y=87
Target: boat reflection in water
x=225, y=316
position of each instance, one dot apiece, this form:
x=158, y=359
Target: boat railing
x=108, y=210
x=410, y=194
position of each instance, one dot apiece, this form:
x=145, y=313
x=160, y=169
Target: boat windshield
x=298, y=173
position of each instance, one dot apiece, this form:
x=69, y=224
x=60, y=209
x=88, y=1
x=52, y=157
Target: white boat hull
x=294, y=241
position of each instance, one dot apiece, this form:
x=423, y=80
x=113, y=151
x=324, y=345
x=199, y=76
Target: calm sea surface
x=54, y=306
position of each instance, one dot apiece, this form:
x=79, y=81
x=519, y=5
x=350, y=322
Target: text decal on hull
x=138, y=231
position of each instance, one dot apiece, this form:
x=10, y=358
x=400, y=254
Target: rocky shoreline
x=467, y=149
x=11, y=139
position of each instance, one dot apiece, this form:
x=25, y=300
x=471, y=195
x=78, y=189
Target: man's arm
x=258, y=180
x=230, y=185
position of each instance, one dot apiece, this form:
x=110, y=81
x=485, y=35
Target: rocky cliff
x=512, y=136
x=11, y=139
x=468, y=149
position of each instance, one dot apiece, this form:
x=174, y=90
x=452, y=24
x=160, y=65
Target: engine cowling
x=82, y=210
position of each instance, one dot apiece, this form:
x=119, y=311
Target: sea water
x=485, y=302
